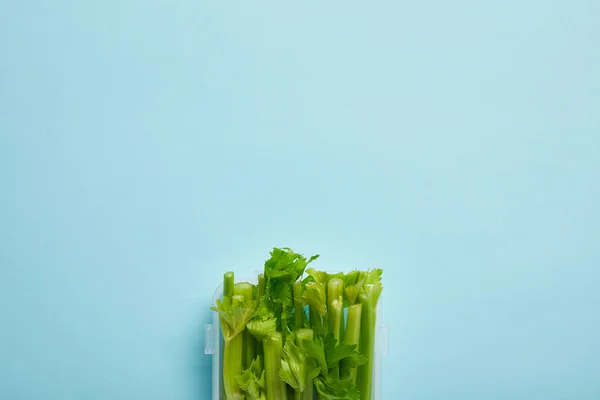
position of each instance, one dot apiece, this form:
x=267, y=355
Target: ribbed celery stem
x=364, y=374
x=261, y=293
x=232, y=366
x=228, y=283
x=336, y=313
x=232, y=359
x=316, y=321
x=298, y=306
x=261, y=285
x=246, y=290
x=352, y=335
x=276, y=388
x=308, y=392
x=335, y=289
x=335, y=310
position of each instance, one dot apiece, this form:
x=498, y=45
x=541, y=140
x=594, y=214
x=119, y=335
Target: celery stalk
x=234, y=313
x=335, y=290
x=364, y=376
x=261, y=285
x=352, y=336
x=228, y=283
x=316, y=321
x=261, y=293
x=232, y=358
x=308, y=392
x=276, y=389
x=336, y=314
x=298, y=306
x=232, y=366
x=246, y=290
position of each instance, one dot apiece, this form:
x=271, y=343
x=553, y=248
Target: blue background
x=148, y=146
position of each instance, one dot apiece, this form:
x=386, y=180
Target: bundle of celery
x=299, y=334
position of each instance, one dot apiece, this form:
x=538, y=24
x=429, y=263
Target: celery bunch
x=287, y=338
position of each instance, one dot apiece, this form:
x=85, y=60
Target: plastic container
x=213, y=342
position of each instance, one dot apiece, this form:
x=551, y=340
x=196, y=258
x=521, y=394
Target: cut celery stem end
x=228, y=283
x=244, y=289
x=336, y=314
x=335, y=289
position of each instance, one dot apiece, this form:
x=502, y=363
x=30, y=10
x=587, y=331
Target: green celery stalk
x=315, y=296
x=335, y=317
x=316, y=321
x=308, y=393
x=234, y=313
x=261, y=293
x=232, y=359
x=276, y=388
x=246, y=290
x=352, y=335
x=228, y=284
x=261, y=285
x=298, y=306
x=232, y=366
x=336, y=314
x=369, y=298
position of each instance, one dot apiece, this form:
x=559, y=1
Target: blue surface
x=147, y=147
